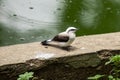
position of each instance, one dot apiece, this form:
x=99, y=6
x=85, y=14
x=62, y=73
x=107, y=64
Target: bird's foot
x=68, y=48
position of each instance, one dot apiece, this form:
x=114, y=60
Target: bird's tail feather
x=46, y=42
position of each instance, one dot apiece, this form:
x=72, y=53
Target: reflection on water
x=27, y=20
x=24, y=21
x=92, y=16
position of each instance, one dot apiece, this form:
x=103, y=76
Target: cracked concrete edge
x=77, y=61
x=92, y=59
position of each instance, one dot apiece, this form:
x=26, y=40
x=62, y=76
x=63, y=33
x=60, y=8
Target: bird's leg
x=68, y=48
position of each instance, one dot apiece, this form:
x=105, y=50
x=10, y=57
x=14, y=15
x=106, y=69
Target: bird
x=63, y=39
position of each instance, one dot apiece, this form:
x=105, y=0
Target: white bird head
x=71, y=29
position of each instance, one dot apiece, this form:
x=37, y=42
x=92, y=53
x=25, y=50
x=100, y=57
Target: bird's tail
x=46, y=42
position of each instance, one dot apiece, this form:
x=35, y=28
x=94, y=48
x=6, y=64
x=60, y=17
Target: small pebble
x=14, y=14
x=22, y=39
x=31, y=8
x=58, y=8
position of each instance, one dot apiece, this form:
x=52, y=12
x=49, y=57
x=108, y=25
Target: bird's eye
x=72, y=29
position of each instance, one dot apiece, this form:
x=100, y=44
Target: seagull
x=63, y=39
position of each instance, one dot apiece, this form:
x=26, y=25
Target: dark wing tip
x=44, y=42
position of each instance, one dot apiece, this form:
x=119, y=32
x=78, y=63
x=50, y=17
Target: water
x=23, y=21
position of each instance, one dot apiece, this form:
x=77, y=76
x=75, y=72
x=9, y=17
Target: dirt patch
x=66, y=72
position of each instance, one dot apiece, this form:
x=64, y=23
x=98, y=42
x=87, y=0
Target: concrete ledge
x=88, y=51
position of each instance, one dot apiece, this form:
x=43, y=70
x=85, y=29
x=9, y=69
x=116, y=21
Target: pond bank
x=87, y=55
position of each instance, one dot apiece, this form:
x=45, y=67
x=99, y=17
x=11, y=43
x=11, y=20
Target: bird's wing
x=62, y=37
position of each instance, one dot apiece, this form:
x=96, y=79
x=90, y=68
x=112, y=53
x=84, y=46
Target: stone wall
x=86, y=57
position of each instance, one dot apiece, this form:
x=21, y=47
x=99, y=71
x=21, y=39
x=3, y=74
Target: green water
x=23, y=21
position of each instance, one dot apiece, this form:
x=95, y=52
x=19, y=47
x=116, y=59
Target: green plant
x=115, y=72
x=114, y=61
x=96, y=77
x=110, y=77
x=26, y=76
